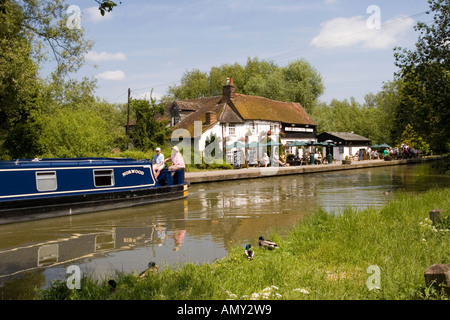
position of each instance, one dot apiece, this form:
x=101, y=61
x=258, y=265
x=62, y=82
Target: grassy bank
x=323, y=257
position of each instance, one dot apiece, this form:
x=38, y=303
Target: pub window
x=230, y=157
x=46, y=181
x=273, y=129
x=231, y=129
x=103, y=178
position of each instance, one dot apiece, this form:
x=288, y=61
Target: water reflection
x=197, y=229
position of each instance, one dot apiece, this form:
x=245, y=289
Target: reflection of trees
x=244, y=210
x=22, y=288
x=257, y=197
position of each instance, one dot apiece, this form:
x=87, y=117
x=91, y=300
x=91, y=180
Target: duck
x=112, y=286
x=152, y=268
x=386, y=193
x=268, y=244
x=249, y=253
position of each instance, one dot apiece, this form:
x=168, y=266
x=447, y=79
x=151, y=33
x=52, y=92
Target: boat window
x=46, y=181
x=104, y=178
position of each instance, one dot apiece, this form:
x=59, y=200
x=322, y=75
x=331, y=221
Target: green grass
x=323, y=257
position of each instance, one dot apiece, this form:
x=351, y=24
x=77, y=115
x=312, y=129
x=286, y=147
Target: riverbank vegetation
x=373, y=254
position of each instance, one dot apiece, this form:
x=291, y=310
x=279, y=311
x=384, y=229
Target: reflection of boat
x=43, y=188
x=74, y=248
x=48, y=254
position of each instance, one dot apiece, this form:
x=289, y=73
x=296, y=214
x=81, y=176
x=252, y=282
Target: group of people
x=275, y=159
x=404, y=151
x=318, y=158
x=158, y=161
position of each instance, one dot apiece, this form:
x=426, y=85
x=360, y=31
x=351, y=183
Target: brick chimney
x=229, y=91
x=210, y=117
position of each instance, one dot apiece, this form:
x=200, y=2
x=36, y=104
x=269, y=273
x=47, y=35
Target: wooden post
x=438, y=276
x=435, y=216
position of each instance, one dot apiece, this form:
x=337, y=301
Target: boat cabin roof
x=37, y=162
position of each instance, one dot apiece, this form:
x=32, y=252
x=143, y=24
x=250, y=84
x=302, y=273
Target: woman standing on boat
x=177, y=160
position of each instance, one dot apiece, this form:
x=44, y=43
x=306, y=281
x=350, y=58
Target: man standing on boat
x=177, y=160
x=158, y=163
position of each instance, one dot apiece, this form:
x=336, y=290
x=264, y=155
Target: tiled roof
x=193, y=104
x=199, y=115
x=346, y=136
x=241, y=108
x=259, y=108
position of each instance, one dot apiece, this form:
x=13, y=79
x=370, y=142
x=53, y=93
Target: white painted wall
x=348, y=151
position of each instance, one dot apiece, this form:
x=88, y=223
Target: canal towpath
x=265, y=172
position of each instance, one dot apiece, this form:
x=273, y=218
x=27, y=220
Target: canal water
x=197, y=229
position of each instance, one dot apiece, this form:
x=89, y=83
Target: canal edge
x=263, y=172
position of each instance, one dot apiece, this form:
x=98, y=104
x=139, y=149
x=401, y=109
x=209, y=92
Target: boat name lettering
x=124, y=174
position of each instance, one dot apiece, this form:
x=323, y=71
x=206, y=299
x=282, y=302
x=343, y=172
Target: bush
x=74, y=133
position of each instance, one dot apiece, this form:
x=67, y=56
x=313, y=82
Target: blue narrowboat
x=33, y=189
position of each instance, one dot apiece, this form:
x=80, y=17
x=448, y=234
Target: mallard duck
x=112, y=286
x=268, y=244
x=152, y=268
x=249, y=253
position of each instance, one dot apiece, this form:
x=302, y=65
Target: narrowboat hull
x=128, y=183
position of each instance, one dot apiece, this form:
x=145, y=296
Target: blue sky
x=150, y=44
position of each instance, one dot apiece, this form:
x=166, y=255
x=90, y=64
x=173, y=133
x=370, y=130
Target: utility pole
x=128, y=117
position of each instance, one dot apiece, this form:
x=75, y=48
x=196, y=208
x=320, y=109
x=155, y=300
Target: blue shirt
x=158, y=158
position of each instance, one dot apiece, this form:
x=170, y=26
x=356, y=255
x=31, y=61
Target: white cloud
x=345, y=32
x=111, y=75
x=93, y=14
x=104, y=56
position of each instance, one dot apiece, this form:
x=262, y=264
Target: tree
x=377, y=114
x=19, y=84
x=76, y=133
x=411, y=139
x=371, y=119
x=106, y=6
x=304, y=83
x=217, y=76
x=341, y=116
x=31, y=33
x=149, y=132
x=53, y=39
x=194, y=84
x=425, y=94
x=73, y=123
x=297, y=82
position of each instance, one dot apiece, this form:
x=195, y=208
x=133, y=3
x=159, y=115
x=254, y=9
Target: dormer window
x=174, y=115
x=175, y=120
